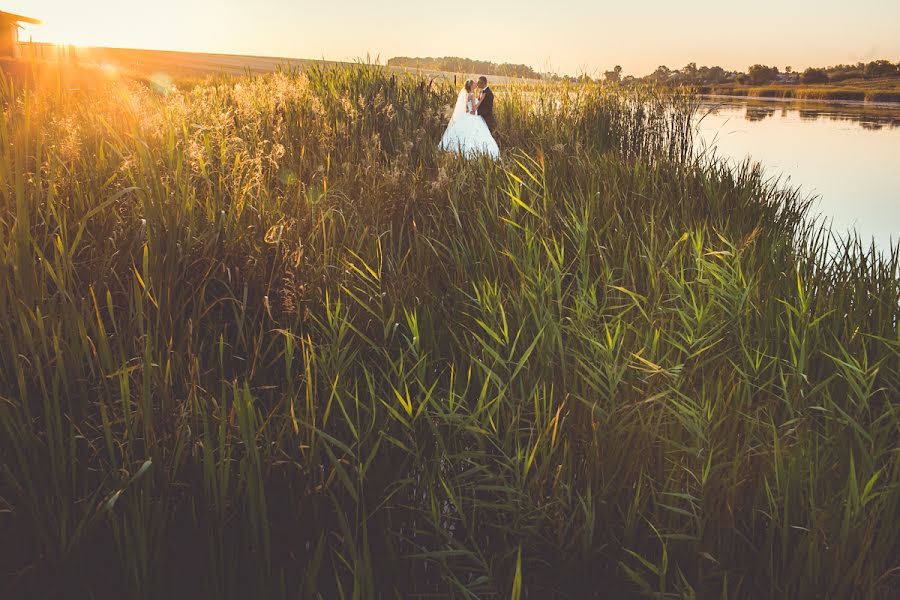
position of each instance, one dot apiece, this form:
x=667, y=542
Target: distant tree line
x=764, y=74
x=875, y=69
x=455, y=64
x=690, y=74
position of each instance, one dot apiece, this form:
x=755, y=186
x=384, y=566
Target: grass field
x=139, y=63
x=259, y=338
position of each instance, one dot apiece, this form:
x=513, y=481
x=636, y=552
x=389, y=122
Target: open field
x=259, y=338
x=171, y=62
x=144, y=63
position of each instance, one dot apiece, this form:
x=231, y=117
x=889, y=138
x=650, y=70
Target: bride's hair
x=469, y=84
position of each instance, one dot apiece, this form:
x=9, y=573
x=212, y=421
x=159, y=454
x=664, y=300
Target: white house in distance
x=9, y=33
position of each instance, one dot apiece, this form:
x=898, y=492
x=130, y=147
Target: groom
x=486, y=106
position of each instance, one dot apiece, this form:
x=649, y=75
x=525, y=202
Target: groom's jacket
x=486, y=108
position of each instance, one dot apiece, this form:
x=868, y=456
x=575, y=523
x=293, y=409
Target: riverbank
x=818, y=145
x=885, y=91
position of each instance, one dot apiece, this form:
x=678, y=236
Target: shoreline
x=879, y=93
x=823, y=101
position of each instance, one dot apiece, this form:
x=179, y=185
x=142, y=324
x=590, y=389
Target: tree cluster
x=871, y=70
x=455, y=64
x=691, y=74
x=759, y=74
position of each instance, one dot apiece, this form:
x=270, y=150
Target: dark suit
x=486, y=108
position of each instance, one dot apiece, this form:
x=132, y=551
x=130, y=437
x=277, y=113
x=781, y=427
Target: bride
x=467, y=132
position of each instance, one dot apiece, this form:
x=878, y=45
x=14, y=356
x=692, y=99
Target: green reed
x=259, y=338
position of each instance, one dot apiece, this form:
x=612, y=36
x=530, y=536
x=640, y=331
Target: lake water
x=848, y=156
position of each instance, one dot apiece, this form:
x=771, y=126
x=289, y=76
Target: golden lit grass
x=259, y=338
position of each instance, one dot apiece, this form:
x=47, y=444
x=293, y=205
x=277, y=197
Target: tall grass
x=259, y=338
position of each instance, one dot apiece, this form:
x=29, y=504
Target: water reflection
x=758, y=113
x=847, y=155
x=809, y=114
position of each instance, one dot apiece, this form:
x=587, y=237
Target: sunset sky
x=569, y=36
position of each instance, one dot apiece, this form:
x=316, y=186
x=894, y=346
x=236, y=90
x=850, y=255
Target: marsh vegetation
x=259, y=338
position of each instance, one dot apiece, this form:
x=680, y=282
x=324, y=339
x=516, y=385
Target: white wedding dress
x=468, y=134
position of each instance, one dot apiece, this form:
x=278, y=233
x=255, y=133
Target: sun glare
x=567, y=40
x=123, y=25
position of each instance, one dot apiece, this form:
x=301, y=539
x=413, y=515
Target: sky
x=564, y=36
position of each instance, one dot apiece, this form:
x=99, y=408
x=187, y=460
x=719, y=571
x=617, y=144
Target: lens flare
x=161, y=83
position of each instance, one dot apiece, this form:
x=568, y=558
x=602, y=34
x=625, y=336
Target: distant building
x=9, y=33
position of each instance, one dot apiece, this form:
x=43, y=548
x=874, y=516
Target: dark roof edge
x=5, y=16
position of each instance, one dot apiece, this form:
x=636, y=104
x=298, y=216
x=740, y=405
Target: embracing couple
x=471, y=127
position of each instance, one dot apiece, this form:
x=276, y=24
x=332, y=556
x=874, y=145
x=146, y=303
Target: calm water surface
x=847, y=156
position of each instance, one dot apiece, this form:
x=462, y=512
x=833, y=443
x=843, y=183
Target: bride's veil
x=460, y=109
